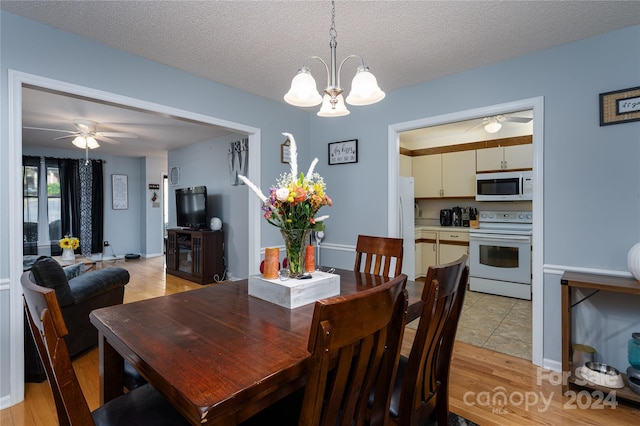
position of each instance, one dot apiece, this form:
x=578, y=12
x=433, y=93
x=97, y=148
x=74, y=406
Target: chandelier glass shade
x=85, y=142
x=304, y=92
x=328, y=109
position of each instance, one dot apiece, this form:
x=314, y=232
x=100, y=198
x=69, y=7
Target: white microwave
x=505, y=186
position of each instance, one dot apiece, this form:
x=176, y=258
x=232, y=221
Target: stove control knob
x=521, y=216
x=529, y=215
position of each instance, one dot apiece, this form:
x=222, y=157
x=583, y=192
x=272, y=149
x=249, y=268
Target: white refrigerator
x=406, y=206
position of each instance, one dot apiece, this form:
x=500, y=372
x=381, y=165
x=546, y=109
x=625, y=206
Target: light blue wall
x=592, y=178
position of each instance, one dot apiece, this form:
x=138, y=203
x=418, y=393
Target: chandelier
x=304, y=92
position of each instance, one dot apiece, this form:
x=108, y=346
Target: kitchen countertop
x=441, y=228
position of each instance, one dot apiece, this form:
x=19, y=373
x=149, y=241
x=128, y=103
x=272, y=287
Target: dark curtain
x=73, y=192
x=69, y=201
x=97, y=212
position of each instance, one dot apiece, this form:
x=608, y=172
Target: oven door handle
x=498, y=237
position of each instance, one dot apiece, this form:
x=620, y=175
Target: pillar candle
x=271, y=263
x=309, y=259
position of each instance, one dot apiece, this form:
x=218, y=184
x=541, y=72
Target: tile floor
x=502, y=324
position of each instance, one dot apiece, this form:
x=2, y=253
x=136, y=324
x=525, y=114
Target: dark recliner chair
x=78, y=294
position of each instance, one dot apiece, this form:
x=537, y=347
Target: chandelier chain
x=332, y=31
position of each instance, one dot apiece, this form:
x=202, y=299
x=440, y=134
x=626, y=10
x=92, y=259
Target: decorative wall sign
x=238, y=159
x=621, y=106
x=285, y=152
x=119, y=192
x=174, y=175
x=343, y=152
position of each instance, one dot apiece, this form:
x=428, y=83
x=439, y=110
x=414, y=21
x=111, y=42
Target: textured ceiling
x=258, y=46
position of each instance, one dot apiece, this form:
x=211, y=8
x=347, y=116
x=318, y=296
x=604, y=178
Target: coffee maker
x=456, y=217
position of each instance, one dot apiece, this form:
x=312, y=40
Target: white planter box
x=293, y=293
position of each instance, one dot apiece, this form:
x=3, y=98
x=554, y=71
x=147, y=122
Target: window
x=53, y=202
x=30, y=206
x=41, y=204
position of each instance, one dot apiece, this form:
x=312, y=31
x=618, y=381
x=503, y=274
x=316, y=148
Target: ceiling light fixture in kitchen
x=492, y=126
x=304, y=92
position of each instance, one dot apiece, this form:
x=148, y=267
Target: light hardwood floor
x=480, y=378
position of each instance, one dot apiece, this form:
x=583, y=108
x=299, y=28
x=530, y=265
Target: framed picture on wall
x=343, y=152
x=620, y=106
x=119, y=192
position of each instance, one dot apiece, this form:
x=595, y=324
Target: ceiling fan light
x=303, y=91
x=80, y=142
x=492, y=127
x=364, y=89
x=328, y=110
x=92, y=143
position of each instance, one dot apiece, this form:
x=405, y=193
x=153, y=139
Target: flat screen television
x=191, y=207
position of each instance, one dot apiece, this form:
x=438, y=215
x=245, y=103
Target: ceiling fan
x=86, y=135
x=494, y=123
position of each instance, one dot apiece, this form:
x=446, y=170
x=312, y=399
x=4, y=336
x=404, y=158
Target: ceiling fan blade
x=519, y=119
x=106, y=139
x=49, y=130
x=85, y=126
x=476, y=126
x=116, y=135
x=66, y=137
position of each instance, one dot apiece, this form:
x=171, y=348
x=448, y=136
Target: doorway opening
x=535, y=105
x=18, y=80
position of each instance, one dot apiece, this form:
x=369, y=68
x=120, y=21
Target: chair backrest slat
x=425, y=380
x=355, y=344
x=378, y=253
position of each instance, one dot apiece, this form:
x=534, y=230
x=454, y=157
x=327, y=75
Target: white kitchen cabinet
x=513, y=157
x=445, y=175
x=429, y=250
x=458, y=175
x=427, y=176
x=418, y=259
x=452, y=245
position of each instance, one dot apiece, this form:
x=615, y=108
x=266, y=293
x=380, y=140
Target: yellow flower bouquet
x=69, y=242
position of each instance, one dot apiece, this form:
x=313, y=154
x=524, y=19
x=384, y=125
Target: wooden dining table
x=217, y=354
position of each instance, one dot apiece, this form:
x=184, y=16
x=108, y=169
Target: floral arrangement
x=296, y=198
x=292, y=206
x=69, y=242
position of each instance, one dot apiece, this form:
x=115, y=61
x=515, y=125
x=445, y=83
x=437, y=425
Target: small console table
x=196, y=256
x=594, y=282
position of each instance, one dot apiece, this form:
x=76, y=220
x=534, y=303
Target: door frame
x=537, y=105
x=16, y=81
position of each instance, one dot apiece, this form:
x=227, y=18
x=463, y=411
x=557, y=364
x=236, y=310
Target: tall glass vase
x=295, y=241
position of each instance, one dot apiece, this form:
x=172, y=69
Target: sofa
x=78, y=293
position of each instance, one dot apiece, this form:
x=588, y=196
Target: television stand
x=196, y=256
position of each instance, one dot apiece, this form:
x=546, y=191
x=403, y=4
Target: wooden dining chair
x=377, y=253
x=143, y=405
x=355, y=345
x=421, y=385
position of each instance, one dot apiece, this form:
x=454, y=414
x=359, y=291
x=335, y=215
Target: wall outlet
x=106, y=243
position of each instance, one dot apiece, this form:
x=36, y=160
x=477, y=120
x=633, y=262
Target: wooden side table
x=608, y=283
x=78, y=259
